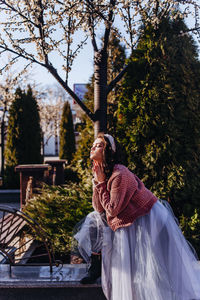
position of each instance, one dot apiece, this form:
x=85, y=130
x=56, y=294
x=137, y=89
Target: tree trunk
x=100, y=95
x=42, y=146
x=56, y=138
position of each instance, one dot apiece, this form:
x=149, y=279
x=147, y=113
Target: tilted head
x=106, y=150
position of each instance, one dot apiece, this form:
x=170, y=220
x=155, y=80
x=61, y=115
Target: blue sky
x=82, y=68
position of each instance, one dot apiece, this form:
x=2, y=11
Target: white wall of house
x=49, y=146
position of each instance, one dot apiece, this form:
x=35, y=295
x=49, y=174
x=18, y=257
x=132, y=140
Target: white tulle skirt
x=149, y=260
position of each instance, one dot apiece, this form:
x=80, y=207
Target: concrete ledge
x=37, y=283
x=68, y=273
x=46, y=285
x=52, y=294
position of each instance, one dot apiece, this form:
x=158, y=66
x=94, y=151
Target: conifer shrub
x=191, y=229
x=57, y=210
x=67, y=136
x=159, y=111
x=23, y=145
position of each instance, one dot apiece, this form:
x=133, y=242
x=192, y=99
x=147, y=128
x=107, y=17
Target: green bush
x=71, y=175
x=191, y=229
x=58, y=210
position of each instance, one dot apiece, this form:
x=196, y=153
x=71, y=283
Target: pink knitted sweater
x=123, y=197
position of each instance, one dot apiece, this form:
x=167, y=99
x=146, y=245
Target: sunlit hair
x=110, y=158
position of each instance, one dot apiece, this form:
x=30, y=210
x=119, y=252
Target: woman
x=144, y=254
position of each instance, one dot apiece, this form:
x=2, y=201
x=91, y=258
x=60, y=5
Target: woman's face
x=97, y=149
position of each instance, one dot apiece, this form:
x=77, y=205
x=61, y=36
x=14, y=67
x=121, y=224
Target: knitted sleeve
x=96, y=201
x=115, y=200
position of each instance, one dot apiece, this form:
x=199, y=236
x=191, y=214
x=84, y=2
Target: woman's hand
x=98, y=172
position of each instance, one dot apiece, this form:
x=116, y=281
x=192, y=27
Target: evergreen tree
x=159, y=113
x=67, y=137
x=23, y=144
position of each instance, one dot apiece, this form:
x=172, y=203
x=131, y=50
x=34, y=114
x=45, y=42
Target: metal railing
x=23, y=241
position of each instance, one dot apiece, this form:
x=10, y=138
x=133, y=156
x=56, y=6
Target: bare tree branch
x=91, y=26
x=31, y=58
x=41, y=31
x=108, y=24
x=12, y=8
x=95, y=10
x=72, y=94
x=193, y=29
x=113, y=83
